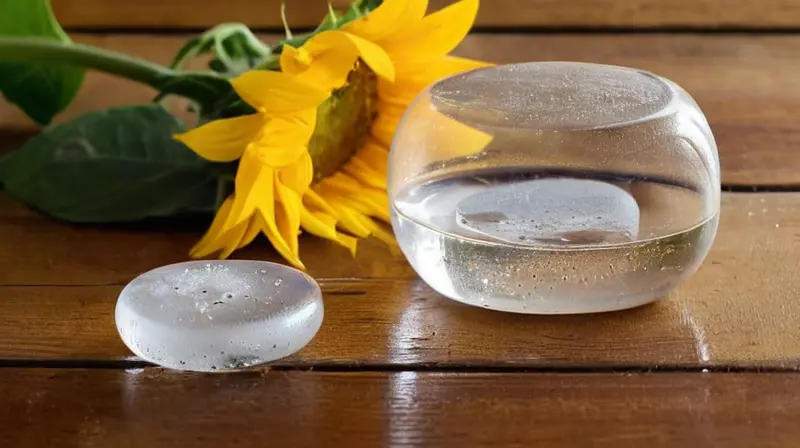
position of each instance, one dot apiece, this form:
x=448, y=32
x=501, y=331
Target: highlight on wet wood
x=315, y=409
x=736, y=311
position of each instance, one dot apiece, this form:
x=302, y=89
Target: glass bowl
x=554, y=187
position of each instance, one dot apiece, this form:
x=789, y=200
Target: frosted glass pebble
x=552, y=211
x=219, y=315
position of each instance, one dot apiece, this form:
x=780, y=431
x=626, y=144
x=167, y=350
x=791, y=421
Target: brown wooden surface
x=44, y=407
x=746, y=85
x=493, y=13
x=59, y=283
x=401, y=365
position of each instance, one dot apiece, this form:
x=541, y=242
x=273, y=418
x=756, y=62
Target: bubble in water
x=185, y=312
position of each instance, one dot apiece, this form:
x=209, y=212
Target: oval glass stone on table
x=554, y=187
x=219, y=315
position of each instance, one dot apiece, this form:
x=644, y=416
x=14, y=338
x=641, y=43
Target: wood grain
x=746, y=85
x=740, y=309
x=70, y=255
x=150, y=14
x=43, y=407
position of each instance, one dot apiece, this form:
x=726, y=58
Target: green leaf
x=40, y=90
x=112, y=166
x=235, y=48
x=207, y=89
x=368, y=5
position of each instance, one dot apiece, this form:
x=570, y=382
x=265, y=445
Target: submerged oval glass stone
x=219, y=315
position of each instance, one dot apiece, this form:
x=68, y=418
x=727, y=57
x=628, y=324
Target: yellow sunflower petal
x=456, y=139
x=276, y=92
x=349, y=220
x=407, y=87
x=298, y=175
x=324, y=61
x=324, y=226
x=375, y=155
x=201, y=248
x=289, y=225
x=374, y=56
x=361, y=171
x=376, y=230
x=285, y=139
x=388, y=18
x=455, y=64
x=315, y=202
x=347, y=191
x=293, y=61
x=223, y=140
x=359, y=224
x=224, y=243
x=269, y=227
x=361, y=207
x=384, y=127
x=250, y=234
x=254, y=190
x=347, y=241
x=232, y=239
x=286, y=230
x=330, y=69
x=326, y=219
x=433, y=37
x=379, y=197
x=327, y=59
x=311, y=222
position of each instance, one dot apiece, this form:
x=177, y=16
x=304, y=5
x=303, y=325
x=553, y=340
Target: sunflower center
x=344, y=122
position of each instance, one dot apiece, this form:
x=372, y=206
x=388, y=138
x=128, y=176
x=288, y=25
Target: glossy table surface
x=395, y=364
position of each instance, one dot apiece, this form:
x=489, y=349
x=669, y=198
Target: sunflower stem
x=285, y=22
x=40, y=50
x=332, y=14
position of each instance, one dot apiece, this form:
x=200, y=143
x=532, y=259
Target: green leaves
x=117, y=165
x=369, y=5
x=41, y=90
x=235, y=47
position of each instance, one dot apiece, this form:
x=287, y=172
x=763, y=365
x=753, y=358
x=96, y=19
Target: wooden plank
x=739, y=309
x=150, y=14
x=64, y=254
x=745, y=84
x=43, y=407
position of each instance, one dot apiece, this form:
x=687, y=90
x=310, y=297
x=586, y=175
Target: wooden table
x=395, y=364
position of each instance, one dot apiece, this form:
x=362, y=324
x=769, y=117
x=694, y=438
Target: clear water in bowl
x=553, y=241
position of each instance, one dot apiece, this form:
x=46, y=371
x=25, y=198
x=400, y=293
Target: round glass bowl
x=554, y=187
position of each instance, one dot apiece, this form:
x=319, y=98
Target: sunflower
x=313, y=157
